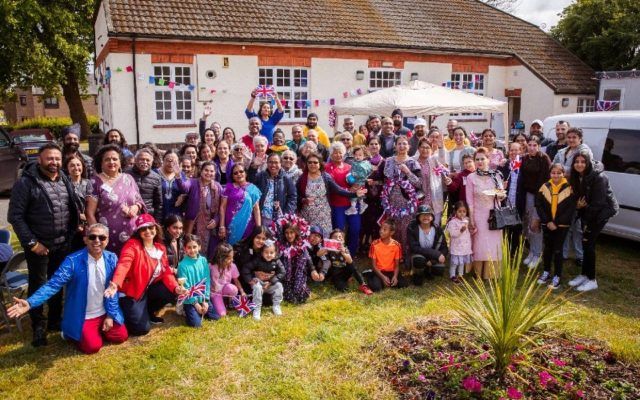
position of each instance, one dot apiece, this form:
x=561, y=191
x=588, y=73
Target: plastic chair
x=14, y=282
x=5, y=236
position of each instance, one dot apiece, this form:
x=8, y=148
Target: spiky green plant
x=508, y=312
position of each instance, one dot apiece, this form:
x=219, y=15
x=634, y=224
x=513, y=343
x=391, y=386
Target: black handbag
x=503, y=216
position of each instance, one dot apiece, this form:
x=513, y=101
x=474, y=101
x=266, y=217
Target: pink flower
x=484, y=356
x=546, y=379
x=422, y=378
x=579, y=347
x=568, y=386
x=580, y=394
x=514, y=393
x=558, y=362
x=512, y=368
x=472, y=384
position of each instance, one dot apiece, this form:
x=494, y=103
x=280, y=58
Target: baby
x=361, y=168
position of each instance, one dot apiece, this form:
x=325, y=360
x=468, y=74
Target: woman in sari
x=239, y=207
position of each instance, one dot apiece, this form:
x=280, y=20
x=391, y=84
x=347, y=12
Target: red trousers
x=91, y=340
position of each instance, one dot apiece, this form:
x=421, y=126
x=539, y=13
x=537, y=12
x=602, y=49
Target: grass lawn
x=327, y=348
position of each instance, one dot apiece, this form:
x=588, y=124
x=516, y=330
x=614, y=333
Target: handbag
x=503, y=216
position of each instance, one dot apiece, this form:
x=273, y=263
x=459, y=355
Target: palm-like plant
x=508, y=312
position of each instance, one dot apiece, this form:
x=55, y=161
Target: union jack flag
x=515, y=164
x=265, y=91
x=473, y=138
x=441, y=170
x=196, y=290
x=243, y=305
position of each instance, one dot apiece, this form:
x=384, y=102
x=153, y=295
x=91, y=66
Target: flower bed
x=433, y=360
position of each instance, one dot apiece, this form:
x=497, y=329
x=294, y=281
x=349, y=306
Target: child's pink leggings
x=217, y=299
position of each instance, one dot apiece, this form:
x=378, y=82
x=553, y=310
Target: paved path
x=4, y=207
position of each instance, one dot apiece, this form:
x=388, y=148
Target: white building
x=160, y=62
x=622, y=87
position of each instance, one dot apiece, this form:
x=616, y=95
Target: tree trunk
x=71, y=92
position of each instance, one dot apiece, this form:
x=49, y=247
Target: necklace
x=109, y=178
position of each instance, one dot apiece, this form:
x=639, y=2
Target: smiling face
x=337, y=155
x=111, y=163
x=561, y=130
x=192, y=153
x=514, y=151
x=269, y=253
x=169, y=161
x=74, y=166
x=290, y=235
x=265, y=110
x=348, y=125
x=374, y=147
x=488, y=139
x=50, y=160
x=239, y=175
x=192, y=249
x=254, y=126
x=339, y=236
x=223, y=150
x=208, y=173
x=312, y=136
x=580, y=164
x=296, y=133
x=187, y=166
x=469, y=164
x=402, y=145
x=556, y=175
x=425, y=150
x=482, y=162
x=458, y=137
x=278, y=138
x=387, y=126
x=205, y=153
x=260, y=147
x=175, y=230
x=425, y=219
x=288, y=159
x=313, y=164
x=209, y=137
x=258, y=241
x=147, y=233
x=273, y=164
x=312, y=122
x=96, y=241
x=144, y=161
x=228, y=135
x=315, y=239
x=573, y=140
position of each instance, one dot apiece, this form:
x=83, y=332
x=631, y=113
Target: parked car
x=12, y=159
x=614, y=138
x=30, y=140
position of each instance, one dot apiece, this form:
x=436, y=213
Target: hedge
x=54, y=124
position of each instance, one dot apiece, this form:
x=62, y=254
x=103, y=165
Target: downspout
x=135, y=90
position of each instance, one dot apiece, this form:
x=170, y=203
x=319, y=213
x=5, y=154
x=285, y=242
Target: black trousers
x=422, y=267
x=514, y=233
x=137, y=313
x=340, y=276
x=590, y=234
x=376, y=284
x=552, y=254
x=41, y=269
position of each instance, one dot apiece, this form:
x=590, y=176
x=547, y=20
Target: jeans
x=535, y=238
x=574, y=237
x=137, y=312
x=194, y=319
x=340, y=220
x=340, y=276
x=553, y=243
x=591, y=233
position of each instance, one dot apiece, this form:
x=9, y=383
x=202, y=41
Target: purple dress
x=111, y=199
x=298, y=266
x=203, y=205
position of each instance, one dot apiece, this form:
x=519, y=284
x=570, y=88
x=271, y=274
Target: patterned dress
x=318, y=212
x=487, y=244
x=298, y=266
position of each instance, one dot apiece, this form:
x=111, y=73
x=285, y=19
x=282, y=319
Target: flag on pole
x=243, y=305
x=196, y=290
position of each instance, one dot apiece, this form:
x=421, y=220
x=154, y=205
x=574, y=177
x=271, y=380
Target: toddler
x=460, y=248
x=264, y=275
x=361, y=168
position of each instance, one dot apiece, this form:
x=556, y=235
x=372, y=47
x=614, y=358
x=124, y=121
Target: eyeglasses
x=345, y=139
x=287, y=158
x=102, y=238
x=240, y=172
x=237, y=149
x=147, y=228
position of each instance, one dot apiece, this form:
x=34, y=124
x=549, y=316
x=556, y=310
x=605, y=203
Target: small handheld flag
x=243, y=305
x=265, y=91
x=441, y=170
x=196, y=290
x=515, y=164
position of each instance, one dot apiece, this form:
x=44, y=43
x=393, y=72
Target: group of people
x=261, y=216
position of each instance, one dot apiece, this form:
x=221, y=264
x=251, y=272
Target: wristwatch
x=32, y=243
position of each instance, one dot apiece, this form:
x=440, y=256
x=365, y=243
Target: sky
x=541, y=12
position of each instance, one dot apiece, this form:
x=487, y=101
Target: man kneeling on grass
x=385, y=254
x=88, y=316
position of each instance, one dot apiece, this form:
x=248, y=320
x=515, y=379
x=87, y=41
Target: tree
x=47, y=43
x=603, y=33
x=505, y=5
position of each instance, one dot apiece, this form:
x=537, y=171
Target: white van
x=614, y=138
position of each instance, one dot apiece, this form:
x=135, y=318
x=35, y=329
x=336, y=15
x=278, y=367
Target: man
x=387, y=138
x=43, y=211
x=536, y=130
x=449, y=143
x=254, y=130
x=298, y=140
x=191, y=138
x=71, y=146
x=312, y=123
x=149, y=182
x=312, y=136
x=398, y=128
x=374, y=125
x=561, y=133
x=419, y=131
x=348, y=125
x=279, y=195
x=85, y=274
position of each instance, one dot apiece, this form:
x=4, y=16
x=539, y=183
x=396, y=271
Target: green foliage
x=603, y=33
x=55, y=125
x=508, y=312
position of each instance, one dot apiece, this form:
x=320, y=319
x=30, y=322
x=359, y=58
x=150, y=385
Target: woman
x=534, y=172
x=289, y=160
x=307, y=148
x=223, y=163
x=187, y=167
x=510, y=173
x=347, y=140
x=482, y=187
x=173, y=232
x=114, y=136
x=205, y=153
x=596, y=205
x=191, y=151
x=144, y=278
x=240, y=154
x=115, y=200
x=431, y=177
x=401, y=175
x=209, y=138
x=172, y=177
x=521, y=138
x=74, y=166
x=269, y=120
x=239, y=207
x=202, y=215
x=454, y=157
x=314, y=188
x=496, y=156
x=370, y=229
x=259, y=160
x=229, y=136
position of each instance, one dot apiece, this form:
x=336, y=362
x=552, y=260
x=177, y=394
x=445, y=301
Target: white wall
x=630, y=91
x=101, y=33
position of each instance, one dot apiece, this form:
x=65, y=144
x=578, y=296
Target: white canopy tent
x=422, y=99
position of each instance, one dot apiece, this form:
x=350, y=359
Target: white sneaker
x=350, y=211
x=555, y=282
x=256, y=314
x=363, y=206
x=590, y=284
x=277, y=310
x=544, y=278
x=535, y=260
x=578, y=280
x=527, y=260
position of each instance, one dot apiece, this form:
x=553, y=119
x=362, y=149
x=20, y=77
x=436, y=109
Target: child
x=461, y=252
x=342, y=267
x=427, y=245
x=318, y=254
x=556, y=204
x=278, y=145
x=360, y=170
x=297, y=262
x=385, y=254
x=193, y=268
x=223, y=273
x=264, y=274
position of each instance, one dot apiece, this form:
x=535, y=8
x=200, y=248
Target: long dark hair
x=97, y=159
x=122, y=143
x=575, y=176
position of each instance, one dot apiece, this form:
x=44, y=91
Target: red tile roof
x=456, y=26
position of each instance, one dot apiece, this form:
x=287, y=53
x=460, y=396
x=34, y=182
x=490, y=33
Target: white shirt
x=96, y=277
x=426, y=239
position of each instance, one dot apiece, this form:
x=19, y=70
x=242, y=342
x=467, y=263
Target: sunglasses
x=93, y=237
x=147, y=228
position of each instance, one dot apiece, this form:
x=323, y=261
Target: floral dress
x=298, y=265
x=318, y=212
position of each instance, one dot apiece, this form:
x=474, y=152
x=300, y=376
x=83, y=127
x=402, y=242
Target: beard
x=71, y=147
x=114, y=141
x=312, y=125
x=397, y=123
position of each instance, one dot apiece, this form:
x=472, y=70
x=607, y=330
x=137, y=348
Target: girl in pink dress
x=460, y=248
x=224, y=278
x=481, y=192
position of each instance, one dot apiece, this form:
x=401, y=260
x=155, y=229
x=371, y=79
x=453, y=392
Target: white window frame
x=586, y=104
x=179, y=90
x=461, y=81
x=620, y=88
x=380, y=78
x=293, y=88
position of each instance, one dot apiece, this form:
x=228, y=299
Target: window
x=292, y=85
x=173, y=106
x=51, y=102
x=470, y=83
x=586, y=105
x=614, y=95
x=23, y=100
x=384, y=78
x=622, y=151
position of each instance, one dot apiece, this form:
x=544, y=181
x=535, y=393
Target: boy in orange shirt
x=385, y=254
